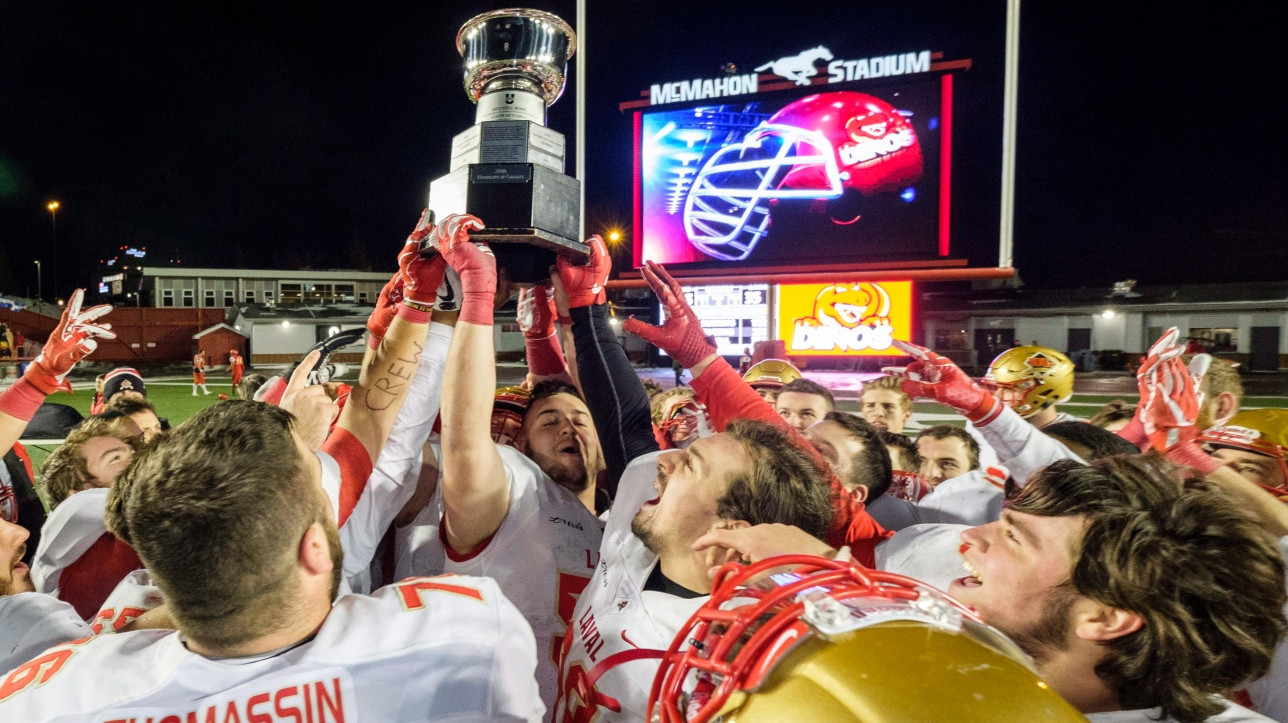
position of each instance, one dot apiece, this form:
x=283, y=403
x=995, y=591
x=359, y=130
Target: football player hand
x=585, y=284
x=473, y=263
x=314, y=411
x=1169, y=404
x=536, y=313
x=75, y=337
x=386, y=306
x=933, y=376
x=753, y=544
x=680, y=335
x=421, y=277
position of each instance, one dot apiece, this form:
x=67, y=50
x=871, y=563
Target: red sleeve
x=355, y=468
x=727, y=397
x=86, y=583
x=21, y=451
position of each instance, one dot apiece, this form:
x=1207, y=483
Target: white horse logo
x=798, y=68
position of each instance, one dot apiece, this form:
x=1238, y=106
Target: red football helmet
x=835, y=641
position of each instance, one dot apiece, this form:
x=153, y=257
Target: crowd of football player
x=422, y=545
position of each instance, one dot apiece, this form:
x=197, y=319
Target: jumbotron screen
x=788, y=179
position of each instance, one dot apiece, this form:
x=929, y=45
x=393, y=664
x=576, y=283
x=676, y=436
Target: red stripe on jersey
x=455, y=556
x=355, y=468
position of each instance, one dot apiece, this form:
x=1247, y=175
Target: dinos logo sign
x=844, y=319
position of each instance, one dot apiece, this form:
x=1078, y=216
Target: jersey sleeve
x=974, y=498
x=392, y=480
x=727, y=397
x=1021, y=447
x=71, y=529
x=30, y=622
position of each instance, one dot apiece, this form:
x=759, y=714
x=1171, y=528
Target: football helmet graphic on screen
x=816, y=147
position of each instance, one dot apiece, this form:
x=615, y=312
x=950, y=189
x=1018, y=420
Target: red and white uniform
x=974, y=498
x=619, y=630
x=78, y=560
x=236, y=365
x=542, y=555
x=448, y=648
x=391, y=482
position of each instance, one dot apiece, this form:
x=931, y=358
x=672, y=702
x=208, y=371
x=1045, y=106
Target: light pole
x=53, y=207
x=40, y=289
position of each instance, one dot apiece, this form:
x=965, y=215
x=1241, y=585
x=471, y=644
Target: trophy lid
x=516, y=41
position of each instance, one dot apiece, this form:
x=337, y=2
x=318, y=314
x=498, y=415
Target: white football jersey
x=619, y=630
x=929, y=553
x=973, y=498
x=132, y=597
x=446, y=648
x=71, y=529
x=30, y=622
x=542, y=555
x=1022, y=447
x=393, y=477
x=418, y=550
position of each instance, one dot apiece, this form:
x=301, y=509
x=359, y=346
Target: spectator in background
x=96, y=404
x=679, y=372
x=804, y=403
x=946, y=452
x=744, y=361
x=884, y=405
x=236, y=365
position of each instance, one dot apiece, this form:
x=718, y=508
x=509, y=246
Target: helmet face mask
x=771, y=645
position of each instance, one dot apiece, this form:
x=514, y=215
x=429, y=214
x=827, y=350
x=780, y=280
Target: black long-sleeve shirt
x=614, y=394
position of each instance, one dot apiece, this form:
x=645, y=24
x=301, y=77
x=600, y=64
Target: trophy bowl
x=516, y=49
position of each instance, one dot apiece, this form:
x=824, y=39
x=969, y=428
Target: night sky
x=299, y=134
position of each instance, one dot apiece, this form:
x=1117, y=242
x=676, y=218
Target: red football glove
x=536, y=319
x=536, y=314
x=585, y=284
x=386, y=305
x=474, y=263
x=1169, y=404
x=421, y=277
x=72, y=340
x=680, y=335
x=932, y=376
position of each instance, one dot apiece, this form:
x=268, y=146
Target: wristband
x=1190, y=454
x=545, y=357
x=564, y=320
x=413, y=313
x=476, y=308
x=21, y=400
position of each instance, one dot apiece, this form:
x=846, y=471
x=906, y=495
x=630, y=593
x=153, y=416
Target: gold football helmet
x=1263, y=431
x=1029, y=379
x=833, y=641
x=773, y=373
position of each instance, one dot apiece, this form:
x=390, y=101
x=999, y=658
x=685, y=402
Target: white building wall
x=1048, y=331
x=273, y=338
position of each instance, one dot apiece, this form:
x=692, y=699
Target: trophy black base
x=523, y=205
x=528, y=253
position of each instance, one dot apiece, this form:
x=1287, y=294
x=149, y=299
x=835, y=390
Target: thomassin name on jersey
x=313, y=701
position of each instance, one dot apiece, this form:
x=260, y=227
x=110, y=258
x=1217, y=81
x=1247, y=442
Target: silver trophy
x=508, y=168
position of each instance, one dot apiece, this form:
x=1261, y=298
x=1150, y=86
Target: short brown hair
x=1115, y=411
x=1222, y=376
x=906, y=446
x=784, y=483
x=216, y=511
x=1204, y=576
x=65, y=472
x=131, y=405
x=805, y=386
x=889, y=383
x=944, y=431
x=871, y=468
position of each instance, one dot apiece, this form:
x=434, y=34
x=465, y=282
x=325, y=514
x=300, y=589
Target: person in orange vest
x=199, y=373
